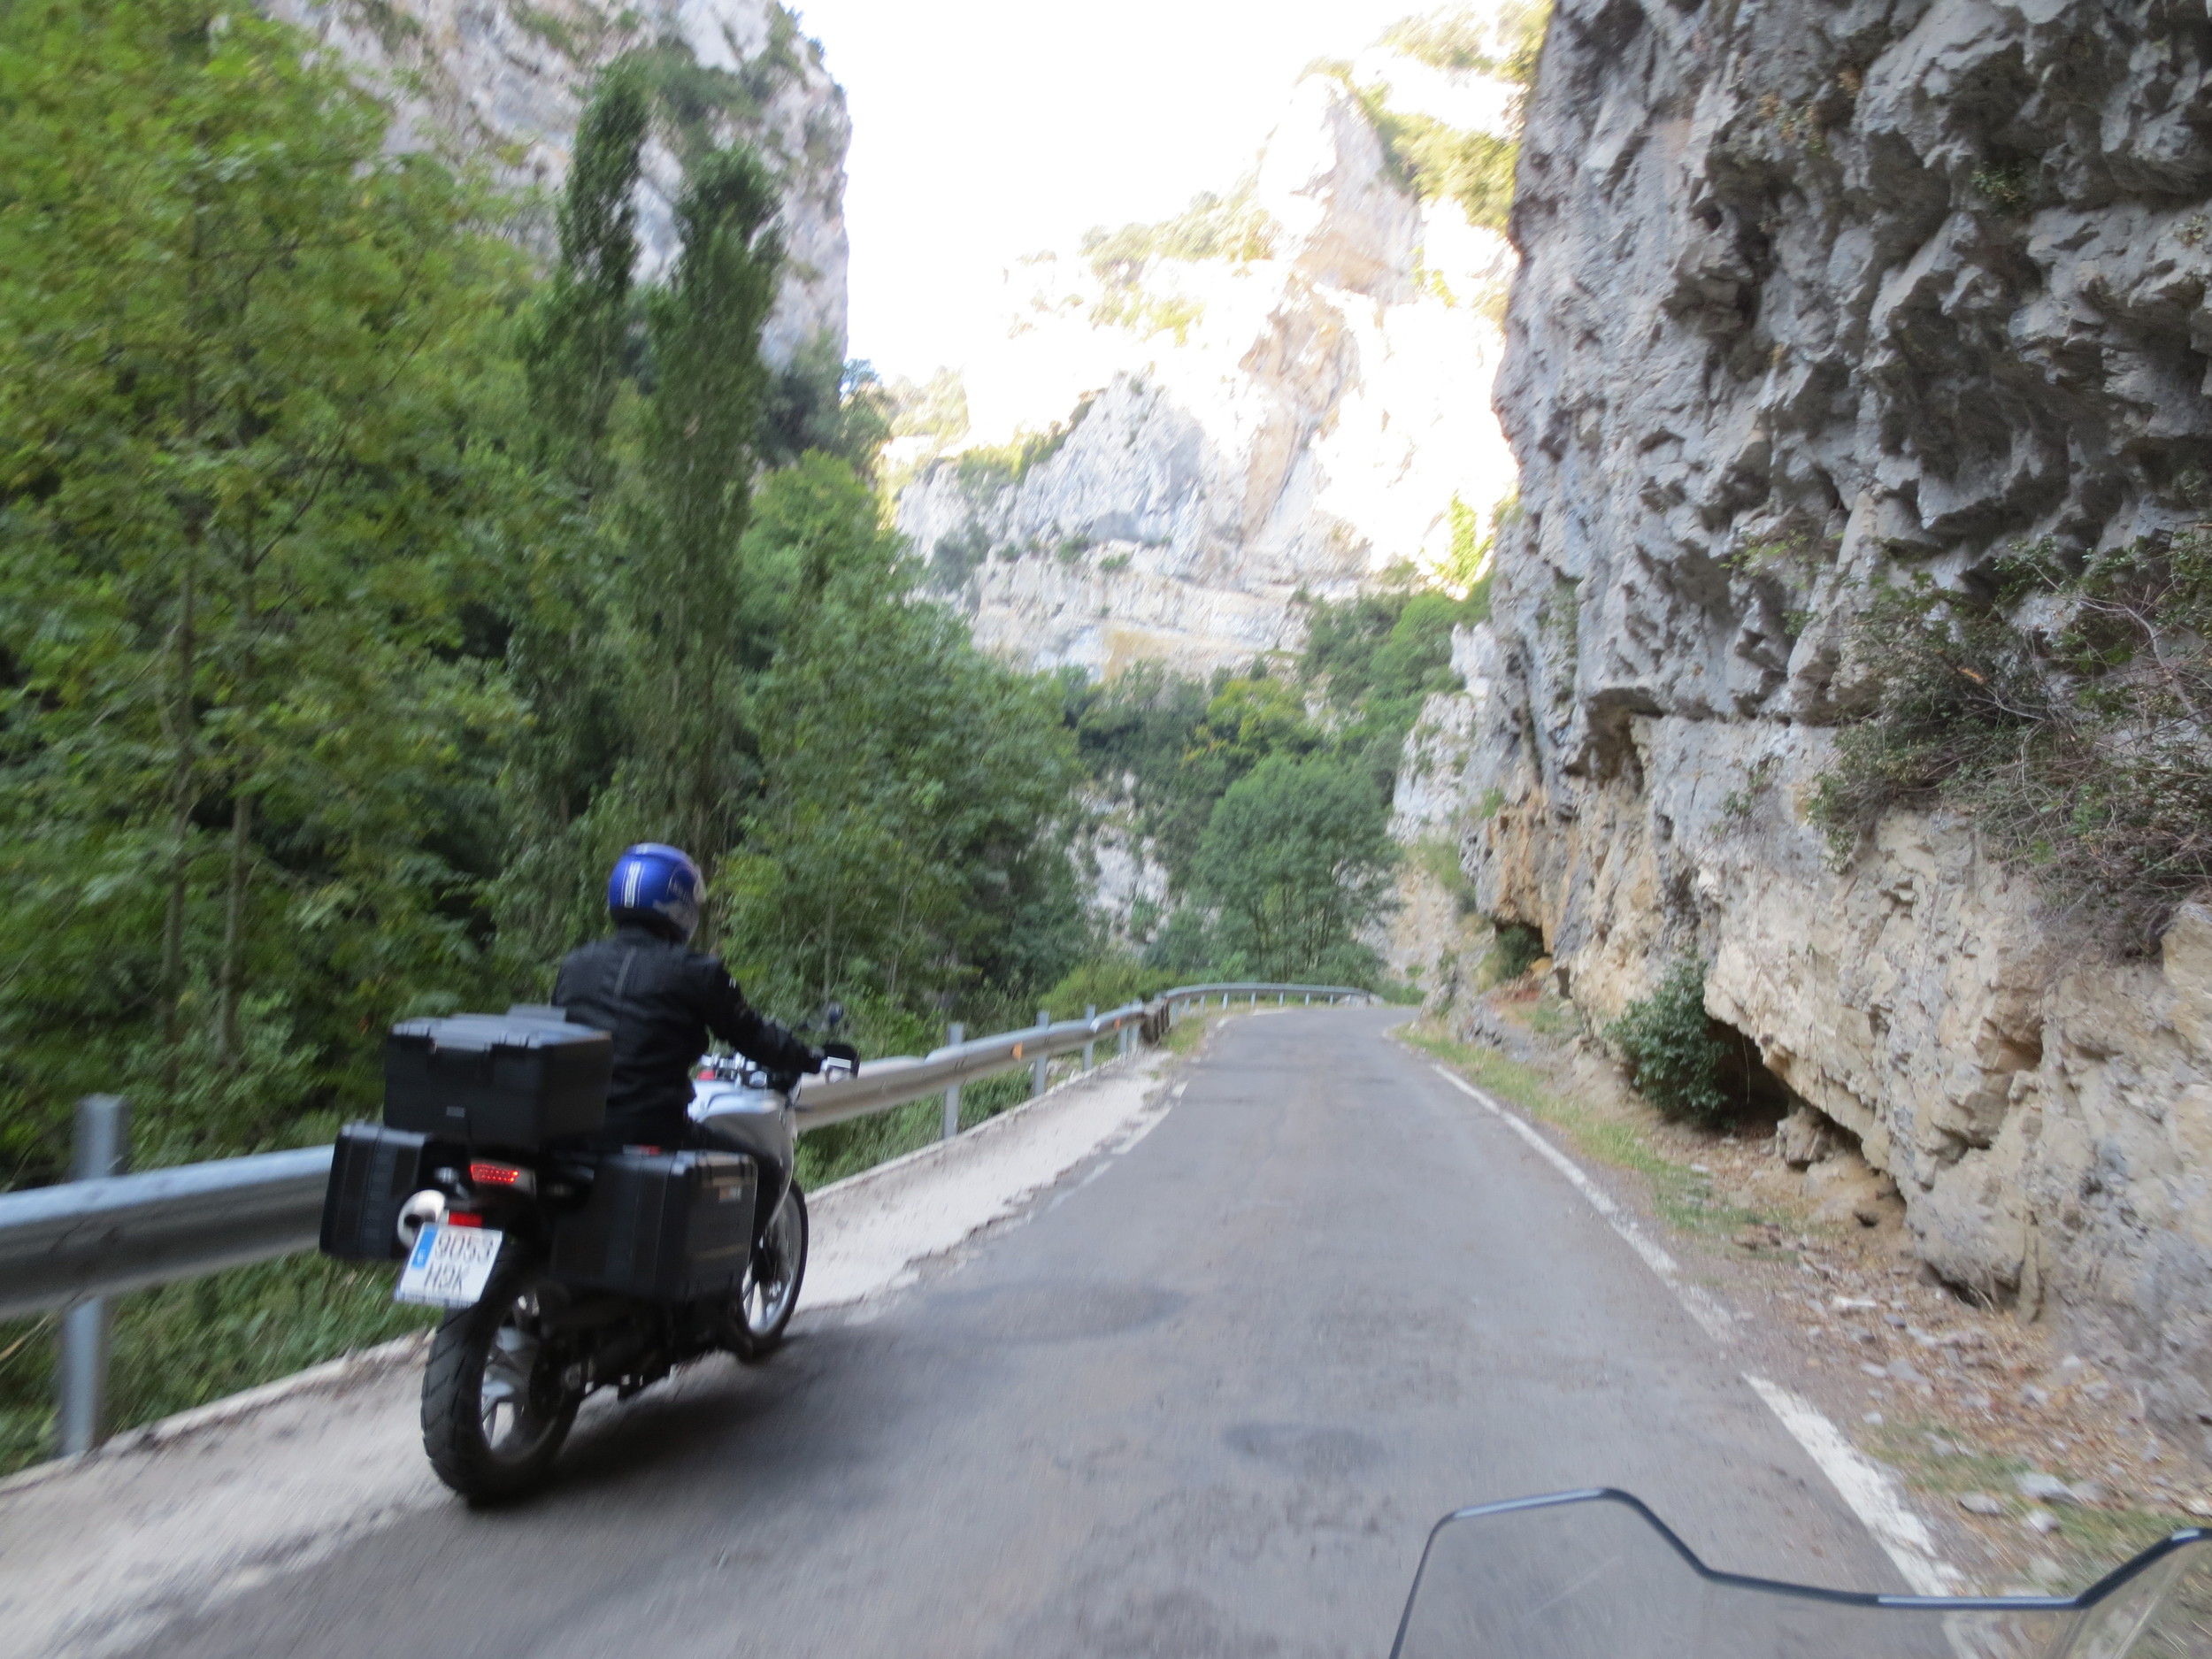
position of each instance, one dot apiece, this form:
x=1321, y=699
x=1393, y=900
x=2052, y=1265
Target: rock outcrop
x=503, y=82
x=1811, y=293
x=1286, y=393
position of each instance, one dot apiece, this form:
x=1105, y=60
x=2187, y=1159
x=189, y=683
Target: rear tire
x=494, y=1410
x=769, y=1290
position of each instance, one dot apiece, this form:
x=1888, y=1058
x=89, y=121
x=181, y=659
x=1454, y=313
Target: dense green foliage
x=365, y=591
x=1265, y=794
x=252, y=488
x=1666, y=1042
x=2065, y=702
x=1295, y=859
x=903, y=845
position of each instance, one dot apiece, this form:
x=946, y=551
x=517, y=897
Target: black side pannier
x=372, y=1173
x=671, y=1227
x=520, y=1079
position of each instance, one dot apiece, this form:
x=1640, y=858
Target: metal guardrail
x=898, y=1081
x=68, y=1243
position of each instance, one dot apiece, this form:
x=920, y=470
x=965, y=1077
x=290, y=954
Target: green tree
x=565, y=660
x=577, y=345
x=697, y=450
x=1295, y=861
x=242, y=508
x=818, y=401
x=900, y=843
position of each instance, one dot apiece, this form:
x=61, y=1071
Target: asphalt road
x=1206, y=1398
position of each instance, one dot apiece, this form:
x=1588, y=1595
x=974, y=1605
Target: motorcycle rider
x=660, y=1000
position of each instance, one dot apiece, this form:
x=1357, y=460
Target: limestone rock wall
x=1295, y=412
x=503, y=82
x=1811, y=293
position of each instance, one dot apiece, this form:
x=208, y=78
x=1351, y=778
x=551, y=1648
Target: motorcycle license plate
x=449, y=1266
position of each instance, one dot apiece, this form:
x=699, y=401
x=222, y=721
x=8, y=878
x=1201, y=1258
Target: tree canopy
x=364, y=589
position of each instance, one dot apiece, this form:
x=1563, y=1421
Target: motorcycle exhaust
x=426, y=1208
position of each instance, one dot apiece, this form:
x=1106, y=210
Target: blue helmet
x=653, y=884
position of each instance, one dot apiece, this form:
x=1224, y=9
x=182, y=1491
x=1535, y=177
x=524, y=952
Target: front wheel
x=496, y=1406
x=770, y=1289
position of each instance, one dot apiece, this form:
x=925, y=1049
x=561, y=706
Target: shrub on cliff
x=2065, y=706
x=1667, y=1044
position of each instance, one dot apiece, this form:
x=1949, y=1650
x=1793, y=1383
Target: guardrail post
x=1121, y=1038
x=1090, y=1011
x=1037, y=1071
x=102, y=1148
x=955, y=1035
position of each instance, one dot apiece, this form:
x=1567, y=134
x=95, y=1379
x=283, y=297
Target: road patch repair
x=98, y=1554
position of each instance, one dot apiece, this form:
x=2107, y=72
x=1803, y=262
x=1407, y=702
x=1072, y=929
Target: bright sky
x=986, y=129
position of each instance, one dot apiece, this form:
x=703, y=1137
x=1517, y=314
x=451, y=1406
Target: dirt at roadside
x=2033, y=1461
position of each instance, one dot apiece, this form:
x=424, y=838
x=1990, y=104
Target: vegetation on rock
x=1232, y=227
x=1667, y=1043
x=1503, y=42
x=1440, y=162
x=2066, y=701
x=1258, y=790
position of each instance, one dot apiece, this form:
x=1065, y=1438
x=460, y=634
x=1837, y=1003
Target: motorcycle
x=1596, y=1575
x=565, y=1272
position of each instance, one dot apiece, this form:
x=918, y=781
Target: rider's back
x=655, y=997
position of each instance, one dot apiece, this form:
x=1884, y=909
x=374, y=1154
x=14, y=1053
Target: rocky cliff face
x=1812, y=293
x=503, y=82
x=1285, y=391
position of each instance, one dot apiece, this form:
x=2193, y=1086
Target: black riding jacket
x=660, y=1001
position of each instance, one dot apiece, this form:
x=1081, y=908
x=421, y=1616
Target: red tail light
x=462, y=1218
x=495, y=1174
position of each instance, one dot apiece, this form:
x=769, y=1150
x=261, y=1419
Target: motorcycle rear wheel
x=494, y=1406
x=769, y=1290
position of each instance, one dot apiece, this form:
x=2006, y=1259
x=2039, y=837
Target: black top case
x=518, y=1080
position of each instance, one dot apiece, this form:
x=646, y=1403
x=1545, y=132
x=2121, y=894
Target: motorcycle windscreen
x=1594, y=1575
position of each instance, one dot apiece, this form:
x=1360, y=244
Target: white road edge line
x=1903, y=1536
x=1881, y=1509
x=1702, y=1308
